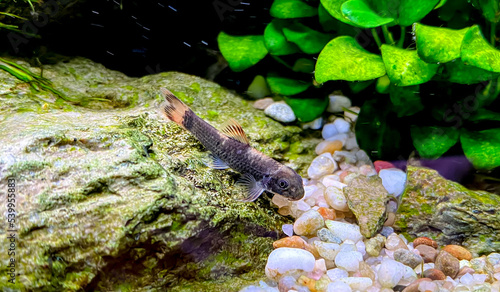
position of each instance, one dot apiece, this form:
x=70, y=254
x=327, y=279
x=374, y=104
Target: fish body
x=230, y=148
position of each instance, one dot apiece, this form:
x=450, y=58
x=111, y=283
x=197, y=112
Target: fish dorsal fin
x=234, y=130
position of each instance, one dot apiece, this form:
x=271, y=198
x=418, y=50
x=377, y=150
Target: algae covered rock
x=111, y=198
x=448, y=212
x=367, y=197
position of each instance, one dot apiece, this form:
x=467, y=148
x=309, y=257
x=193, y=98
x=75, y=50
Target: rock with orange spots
x=292, y=241
x=328, y=146
x=461, y=253
x=424, y=240
x=327, y=213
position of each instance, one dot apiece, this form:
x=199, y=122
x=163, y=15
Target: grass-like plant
x=431, y=87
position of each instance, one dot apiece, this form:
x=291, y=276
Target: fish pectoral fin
x=234, y=130
x=252, y=187
x=215, y=162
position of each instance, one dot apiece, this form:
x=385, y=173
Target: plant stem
x=387, y=35
x=376, y=38
x=401, y=40
x=282, y=62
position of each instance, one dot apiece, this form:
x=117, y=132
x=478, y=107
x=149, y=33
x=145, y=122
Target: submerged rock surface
x=448, y=212
x=110, y=198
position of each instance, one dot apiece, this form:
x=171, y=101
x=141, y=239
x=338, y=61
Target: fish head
x=288, y=183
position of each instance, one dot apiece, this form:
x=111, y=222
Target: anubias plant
x=436, y=89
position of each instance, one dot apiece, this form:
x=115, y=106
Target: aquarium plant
x=424, y=68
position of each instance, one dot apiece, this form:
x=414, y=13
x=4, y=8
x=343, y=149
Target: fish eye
x=283, y=183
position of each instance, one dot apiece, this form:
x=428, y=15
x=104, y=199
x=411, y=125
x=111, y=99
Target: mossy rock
x=448, y=212
x=112, y=198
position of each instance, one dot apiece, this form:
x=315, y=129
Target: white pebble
x=280, y=201
x=327, y=250
x=342, y=126
x=335, y=274
x=358, y=283
x=361, y=247
x=351, y=143
x=344, y=230
x=329, y=130
x=308, y=223
x=394, y=180
x=350, y=116
x=338, y=103
x=338, y=286
x=313, y=125
x=320, y=166
x=345, y=156
x=429, y=286
x=348, y=260
x=409, y=276
x=479, y=278
x=335, y=198
x=390, y=273
x=340, y=137
x=287, y=229
x=287, y=259
x=363, y=157
x=281, y=112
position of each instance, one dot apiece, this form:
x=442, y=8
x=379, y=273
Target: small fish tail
x=173, y=108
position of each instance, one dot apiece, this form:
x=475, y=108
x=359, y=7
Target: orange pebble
x=292, y=241
x=327, y=213
x=328, y=146
x=424, y=240
x=458, y=251
x=344, y=174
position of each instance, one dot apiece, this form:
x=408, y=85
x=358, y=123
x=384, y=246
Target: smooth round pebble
x=338, y=103
x=394, y=243
x=263, y=103
x=320, y=166
x=348, y=260
x=335, y=198
x=292, y=241
x=337, y=273
x=329, y=130
x=374, y=245
x=461, y=253
x=338, y=286
x=281, y=112
x=342, y=125
x=424, y=240
x=434, y=274
x=287, y=229
x=326, y=235
x=390, y=273
x=393, y=180
x=328, y=146
x=358, y=283
x=313, y=125
x=309, y=223
x=327, y=250
x=287, y=259
x=428, y=253
x=407, y=257
x=332, y=180
x=447, y=263
x=344, y=230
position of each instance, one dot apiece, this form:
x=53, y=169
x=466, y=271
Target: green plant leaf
x=308, y=40
x=482, y=147
x=438, y=44
x=286, y=86
x=405, y=100
x=241, y=52
x=490, y=9
x=405, y=68
x=292, y=9
x=483, y=114
x=432, y=141
x=458, y=72
x=441, y=3
x=411, y=11
x=344, y=59
x=357, y=86
x=303, y=65
x=307, y=109
x=476, y=51
x=276, y=41
x=334, y=7
x=383, y=84
x=360, y=13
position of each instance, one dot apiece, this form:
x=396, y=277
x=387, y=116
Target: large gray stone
x=448, y=212
x=111, y=198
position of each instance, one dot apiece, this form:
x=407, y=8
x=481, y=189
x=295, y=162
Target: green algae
x=110, y=182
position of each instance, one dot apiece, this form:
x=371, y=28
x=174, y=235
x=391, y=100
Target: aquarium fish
x=230, y=149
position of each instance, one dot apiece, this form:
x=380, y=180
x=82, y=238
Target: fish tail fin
x=173, y=108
